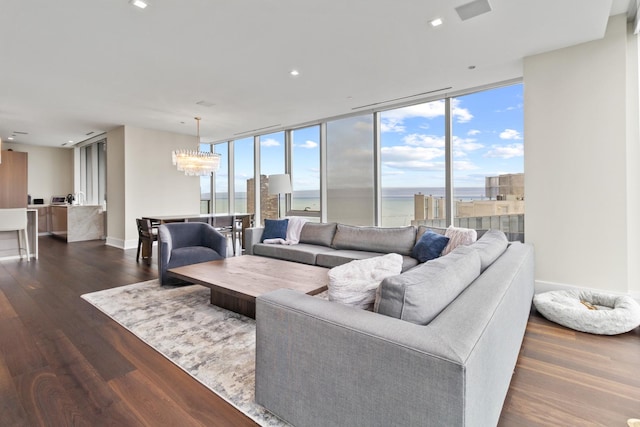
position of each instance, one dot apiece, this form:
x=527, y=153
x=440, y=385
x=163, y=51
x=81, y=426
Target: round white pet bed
x=591, y=312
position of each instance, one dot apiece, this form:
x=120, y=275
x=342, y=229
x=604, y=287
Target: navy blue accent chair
x=185, y=243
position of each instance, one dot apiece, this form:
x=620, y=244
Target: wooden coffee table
x=235, y=282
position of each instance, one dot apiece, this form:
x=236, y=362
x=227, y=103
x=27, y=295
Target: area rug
x=213, y=345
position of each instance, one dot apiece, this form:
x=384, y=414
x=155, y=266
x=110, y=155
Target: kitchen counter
x=77, y=223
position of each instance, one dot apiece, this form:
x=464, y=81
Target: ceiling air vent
x=473, y=9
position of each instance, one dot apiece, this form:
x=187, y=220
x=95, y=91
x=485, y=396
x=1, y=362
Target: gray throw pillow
x=318, y=234
x=420, y=294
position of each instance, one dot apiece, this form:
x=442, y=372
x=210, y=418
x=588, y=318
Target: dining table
x=244, y=219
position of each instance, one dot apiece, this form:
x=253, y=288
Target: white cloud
x=391, y=126
x=406, y=157
x=473, y=132
x=393, y=120
x=506, y=151
x=421, y=140
x=462, y=115
x=464, y=165
x=269, y=142
x=392, y=173
x=510, y=134
x=466, y=144
x=307, y=144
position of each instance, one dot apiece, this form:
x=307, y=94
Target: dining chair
x=15, y=219
x=227, y=226
x=146, y=236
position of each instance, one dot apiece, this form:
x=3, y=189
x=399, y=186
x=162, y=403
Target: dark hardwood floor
x=62, y=362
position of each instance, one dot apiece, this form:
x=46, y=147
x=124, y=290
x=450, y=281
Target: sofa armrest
x=322, y=363
x=252, y=235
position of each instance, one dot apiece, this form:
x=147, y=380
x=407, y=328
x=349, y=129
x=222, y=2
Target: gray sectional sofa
x=439, y=351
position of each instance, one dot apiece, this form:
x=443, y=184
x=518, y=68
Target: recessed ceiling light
x=10, y=138
x=139, y=3
x=70, y=142
x=294, y=73
x=436, y=22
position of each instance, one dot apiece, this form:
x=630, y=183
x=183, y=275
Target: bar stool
x=15, y=219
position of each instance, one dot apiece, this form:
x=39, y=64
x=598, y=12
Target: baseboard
x=123, y=244
x=116, y=243
x=544, y=286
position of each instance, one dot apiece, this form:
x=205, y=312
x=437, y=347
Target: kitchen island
x=76, y=223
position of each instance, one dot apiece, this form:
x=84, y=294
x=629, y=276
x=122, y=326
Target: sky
x=488, y=140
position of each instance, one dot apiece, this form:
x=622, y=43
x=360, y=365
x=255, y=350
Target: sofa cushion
x=490, y=246
x=318, y=234
x=192, y=255
x=355, y=282
x=429, y=246
x=400, y=240
x=275, y=229
x=302, y=252
x=459, y=236
x=333, y=258
x=419, y=295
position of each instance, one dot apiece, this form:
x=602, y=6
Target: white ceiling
x=70, y=67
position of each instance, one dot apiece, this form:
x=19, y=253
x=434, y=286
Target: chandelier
x=196, y=162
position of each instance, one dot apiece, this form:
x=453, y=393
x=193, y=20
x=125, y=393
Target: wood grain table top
x=249, y=276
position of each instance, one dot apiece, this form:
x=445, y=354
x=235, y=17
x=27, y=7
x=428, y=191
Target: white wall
x=139, y=166
x=578, y=173
x=115, y=188
x=50, y=170
x=633, y=161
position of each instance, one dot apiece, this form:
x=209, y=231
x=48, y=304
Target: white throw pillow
x=459, y=236
x=355, y=283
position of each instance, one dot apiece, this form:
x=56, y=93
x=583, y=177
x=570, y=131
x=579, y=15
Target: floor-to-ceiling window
x=486, y=166
x=272, y=162
x=412, y=156
x=488, y=160
x=350, y=176
x=305, y=170
x=216, y=201
x=206, y=187
x=243, y=174
x=221, y=179
x=93, y=173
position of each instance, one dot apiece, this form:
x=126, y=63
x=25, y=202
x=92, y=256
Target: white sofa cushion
x=355, y=283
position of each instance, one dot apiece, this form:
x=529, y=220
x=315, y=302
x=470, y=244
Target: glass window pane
x=413, y=165
x=221, y=179
x=243, y=179
x=488, y=159
x=205, y=186
x=350, y=190
x=271, y=163
x=305, y=169
x=102, y=173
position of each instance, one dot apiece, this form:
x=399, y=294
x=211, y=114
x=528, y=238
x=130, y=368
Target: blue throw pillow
x=275, y=229
x=429, y=246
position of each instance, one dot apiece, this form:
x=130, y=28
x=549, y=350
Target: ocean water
x=397, y=203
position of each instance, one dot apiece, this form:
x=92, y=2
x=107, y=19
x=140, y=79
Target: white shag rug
x=213, y=345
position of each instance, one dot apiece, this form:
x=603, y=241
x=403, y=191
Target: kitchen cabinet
x=13, y=180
